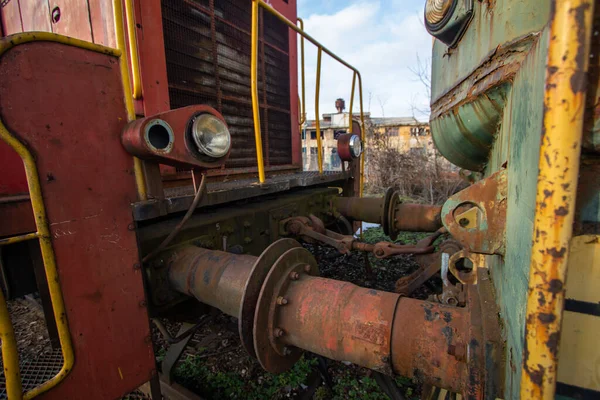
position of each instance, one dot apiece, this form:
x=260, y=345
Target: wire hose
x=181, y=224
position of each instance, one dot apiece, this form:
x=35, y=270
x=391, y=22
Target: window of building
x=303, y=134
x=303, y=150
x=313, y=135
x=333, y=150
x=418, y=151
x=337, y=134
x=392, y=131
x=313, y=151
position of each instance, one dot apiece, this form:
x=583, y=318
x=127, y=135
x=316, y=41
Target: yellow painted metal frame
x=9, y=350
x=133, y=50
x=140, y=179
x=254, y=86
x=564, y=105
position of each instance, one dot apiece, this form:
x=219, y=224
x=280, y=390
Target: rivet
x=287, y=351
x=279, y=332
x=294, y=275
x=307, y=268
x=282, y=301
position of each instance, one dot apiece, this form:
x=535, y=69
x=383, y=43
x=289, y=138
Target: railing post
x=363, y=136
x=254, y=89
x=317, y=121
x=351, y=102
x=303, y=102
x=10, y=356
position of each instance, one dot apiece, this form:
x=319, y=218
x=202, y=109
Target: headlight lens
x=211, y=135
x=355, y=146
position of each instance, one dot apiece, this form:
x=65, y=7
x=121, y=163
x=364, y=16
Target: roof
x=395, y=121
x=384, y=121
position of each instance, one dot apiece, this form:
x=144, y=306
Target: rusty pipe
x=375, y=329
x=213, y=277
x=417, y=217
x=367, y=209
x=429, y=343
x=340, y=320
x=388, y=211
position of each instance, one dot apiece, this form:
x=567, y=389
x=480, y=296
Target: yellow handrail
x=140, y=179
x=564, y=106
x=254, y=91
x=133, y=50
x=10, y=356
x=303, y=91
x=317, y=119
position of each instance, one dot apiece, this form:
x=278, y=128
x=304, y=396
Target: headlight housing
x=211, y=135
x=349, y=146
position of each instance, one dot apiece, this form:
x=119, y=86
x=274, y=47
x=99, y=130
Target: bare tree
x=421, y=71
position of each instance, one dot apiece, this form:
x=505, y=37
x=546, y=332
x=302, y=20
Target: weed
x=193, y=373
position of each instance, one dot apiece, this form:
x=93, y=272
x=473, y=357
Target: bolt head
x=279, y=332
x=294, y=276
x=287, y=351
x=282, y=301
x=307, y=268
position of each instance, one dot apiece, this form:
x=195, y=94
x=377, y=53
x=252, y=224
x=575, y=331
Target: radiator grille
x=207, y=45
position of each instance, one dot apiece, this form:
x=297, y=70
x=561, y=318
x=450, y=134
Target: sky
x=382, y=39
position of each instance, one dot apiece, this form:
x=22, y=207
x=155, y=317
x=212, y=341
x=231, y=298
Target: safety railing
x=10, y=356
x=320, y=49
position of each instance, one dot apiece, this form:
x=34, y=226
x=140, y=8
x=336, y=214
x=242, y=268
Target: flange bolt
x=282, y=301
x=279, y=332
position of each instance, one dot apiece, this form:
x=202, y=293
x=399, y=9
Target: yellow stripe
x=564, y=104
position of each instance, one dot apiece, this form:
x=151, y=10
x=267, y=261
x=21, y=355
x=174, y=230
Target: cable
x=183, y=221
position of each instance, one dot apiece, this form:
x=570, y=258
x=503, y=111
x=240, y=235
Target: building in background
x=406, y=134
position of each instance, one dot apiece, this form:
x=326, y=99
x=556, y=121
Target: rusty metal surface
x=213, y=277
x=368, y=209
x=429, y=265
x=393, y=215
x=181, y=151
x=87, y=196
x=423, y=334
x=416, y=217
x=259, y=272
x=487, y=233
x=275, y=355
x=339, y=320
x=179, y=198
x=311, y=229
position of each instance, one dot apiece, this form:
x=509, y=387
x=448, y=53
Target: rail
x=254, y=87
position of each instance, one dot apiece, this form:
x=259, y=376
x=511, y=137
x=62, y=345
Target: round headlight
x=355, y=146
x=211, y=135
x=436, y=10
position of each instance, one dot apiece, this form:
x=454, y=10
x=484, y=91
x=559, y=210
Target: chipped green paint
x=500, y=62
